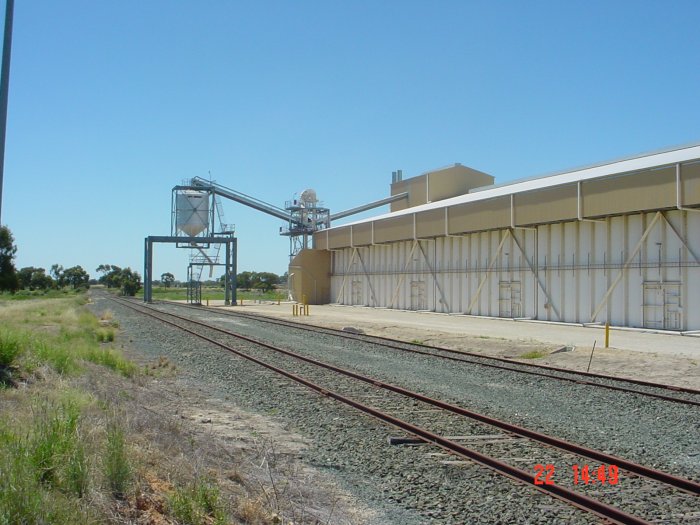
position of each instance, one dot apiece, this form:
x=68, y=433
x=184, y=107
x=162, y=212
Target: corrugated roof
x=617, y=167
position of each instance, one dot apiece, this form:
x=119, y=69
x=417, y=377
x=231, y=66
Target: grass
x=23, y=295
x=50, y=458
x=59, y=333
x=116, y=463
x=200, y=503
x=11, y=346
x=533, y=354
x=69, y=455
x=44, y=466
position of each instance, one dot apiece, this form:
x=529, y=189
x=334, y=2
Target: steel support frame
x=230, y=264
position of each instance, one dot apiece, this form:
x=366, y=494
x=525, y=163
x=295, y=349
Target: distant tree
x=25, y=276
x=76, y=277
x=129, y=281
x=244, y=280
x=167, y=279
x=115, y=277
x=41, y=281
x=57, y=274
x=110, y=275
x=266, y=281
x=31, y=278
x=284, y=278
x=9, y=280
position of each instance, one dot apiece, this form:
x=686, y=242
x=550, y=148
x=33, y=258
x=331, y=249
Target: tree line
x=32, y=278
x=126, y=280
x=264, y=281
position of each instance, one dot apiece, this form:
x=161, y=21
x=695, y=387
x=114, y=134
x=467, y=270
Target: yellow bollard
x=607, y=335
x=307, y=309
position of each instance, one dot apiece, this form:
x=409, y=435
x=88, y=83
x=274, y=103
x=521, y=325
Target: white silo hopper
x=192, y=212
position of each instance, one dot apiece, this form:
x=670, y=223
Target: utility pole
x=5, y=87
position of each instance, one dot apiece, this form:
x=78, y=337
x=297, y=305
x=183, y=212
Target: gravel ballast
x=417, y=484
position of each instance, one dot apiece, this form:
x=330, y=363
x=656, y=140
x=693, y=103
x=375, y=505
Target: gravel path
x=418, y=485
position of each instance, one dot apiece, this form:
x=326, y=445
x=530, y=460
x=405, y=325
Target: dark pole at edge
x=5, y=87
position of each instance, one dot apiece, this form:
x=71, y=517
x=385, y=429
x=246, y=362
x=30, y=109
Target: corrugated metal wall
x=639, y=270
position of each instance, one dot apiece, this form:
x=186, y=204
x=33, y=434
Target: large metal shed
x=617, y=242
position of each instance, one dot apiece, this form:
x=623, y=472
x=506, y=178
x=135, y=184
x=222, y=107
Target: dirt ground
x=658, y=357
x=181, y=432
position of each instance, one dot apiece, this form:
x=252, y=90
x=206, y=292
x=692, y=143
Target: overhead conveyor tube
x=242, y=198
x=369, y=206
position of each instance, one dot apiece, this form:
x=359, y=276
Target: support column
x=148, y=272
x=234, y=269
x=145, y=270
x=227, y=276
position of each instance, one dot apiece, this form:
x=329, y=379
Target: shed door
x=357, y=292
x=509, y=304
x=662, y=307
x=418, y=295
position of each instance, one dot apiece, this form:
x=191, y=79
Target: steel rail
x=684, y=484
x=359, y=337
x=579, y=500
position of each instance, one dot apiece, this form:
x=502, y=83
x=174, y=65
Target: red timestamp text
x=581, y=474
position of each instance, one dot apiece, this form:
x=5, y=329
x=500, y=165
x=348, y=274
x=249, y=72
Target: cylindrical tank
x=192, y=207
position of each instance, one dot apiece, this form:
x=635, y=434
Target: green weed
x=534, y=354
x=198, y=504
x=54, y=440
x=59, y=356
x=116, y=462
x=43, y=467
x=104, y=335
x=11, y=346
x=111, y=359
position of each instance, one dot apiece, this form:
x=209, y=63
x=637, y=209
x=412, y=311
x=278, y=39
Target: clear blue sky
x=112, y=103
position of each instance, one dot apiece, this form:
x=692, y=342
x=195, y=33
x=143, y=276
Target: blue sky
x=112, y=103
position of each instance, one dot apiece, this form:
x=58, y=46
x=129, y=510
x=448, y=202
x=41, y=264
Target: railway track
x=671, y=393
x=613, y=494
